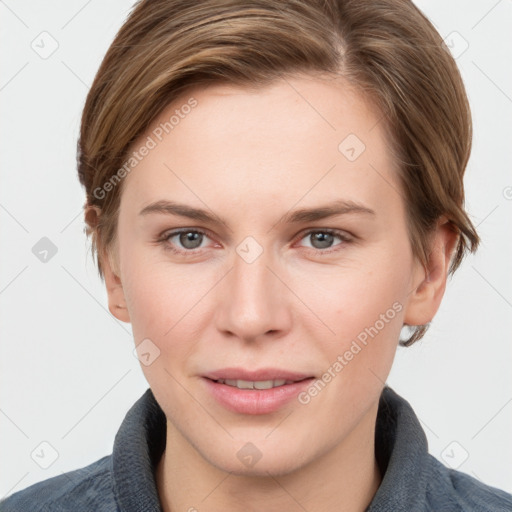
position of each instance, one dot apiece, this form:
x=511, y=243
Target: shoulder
x=457, y=491
x=87, y=488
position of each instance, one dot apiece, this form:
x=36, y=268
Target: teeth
x=259, y=384
x=267, y=384
x=241, y=384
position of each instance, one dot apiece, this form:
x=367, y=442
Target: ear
x=430, y=282
x=115, y=292
x=109, y=267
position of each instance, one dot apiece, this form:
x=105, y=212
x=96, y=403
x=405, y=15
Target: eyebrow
x=339, y=207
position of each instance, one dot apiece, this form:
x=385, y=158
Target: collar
x=138, y=446
x=400, y=449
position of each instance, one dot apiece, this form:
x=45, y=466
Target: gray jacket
x=413, y=480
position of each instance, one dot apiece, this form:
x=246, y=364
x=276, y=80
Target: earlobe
x=426, y=295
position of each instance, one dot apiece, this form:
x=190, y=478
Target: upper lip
x=256, y=375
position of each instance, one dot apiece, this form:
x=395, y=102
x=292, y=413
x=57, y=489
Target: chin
x=250, y=461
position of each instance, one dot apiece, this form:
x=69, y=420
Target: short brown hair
x=387, y=49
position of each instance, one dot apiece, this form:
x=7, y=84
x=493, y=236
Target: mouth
x=256, y=384
x=255, y=392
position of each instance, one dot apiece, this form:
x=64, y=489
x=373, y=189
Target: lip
x=261, y=374
x=255, y=401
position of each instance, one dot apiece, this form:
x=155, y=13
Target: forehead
x=294, y=138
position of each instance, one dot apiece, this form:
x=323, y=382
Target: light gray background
x=68, y=374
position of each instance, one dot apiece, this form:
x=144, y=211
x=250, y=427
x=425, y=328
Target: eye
x=322, y=239
x=186, y=240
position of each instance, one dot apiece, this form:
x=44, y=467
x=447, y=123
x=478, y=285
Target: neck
x=343, y=479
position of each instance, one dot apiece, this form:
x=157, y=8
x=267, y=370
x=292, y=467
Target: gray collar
x=400, y=450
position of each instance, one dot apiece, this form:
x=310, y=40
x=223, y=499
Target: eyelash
x=166, y=236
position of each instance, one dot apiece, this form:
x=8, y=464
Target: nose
x=254, y=301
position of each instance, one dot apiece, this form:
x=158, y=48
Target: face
x=277, y=255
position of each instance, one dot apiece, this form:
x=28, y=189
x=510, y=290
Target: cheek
x=362, y=305
x=350, y=298
x=166, y=303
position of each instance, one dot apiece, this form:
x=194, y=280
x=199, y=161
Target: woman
x=274, y=190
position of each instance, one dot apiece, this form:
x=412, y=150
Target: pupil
x=189, y=240
x=325, y=239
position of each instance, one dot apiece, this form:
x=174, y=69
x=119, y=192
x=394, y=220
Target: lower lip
x=255, y=401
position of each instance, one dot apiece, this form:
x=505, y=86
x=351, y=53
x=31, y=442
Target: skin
x=250, y=157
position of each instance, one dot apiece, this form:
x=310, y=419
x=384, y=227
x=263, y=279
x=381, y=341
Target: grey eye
x=321, y=240
x=324, y=239
x=190, y=239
